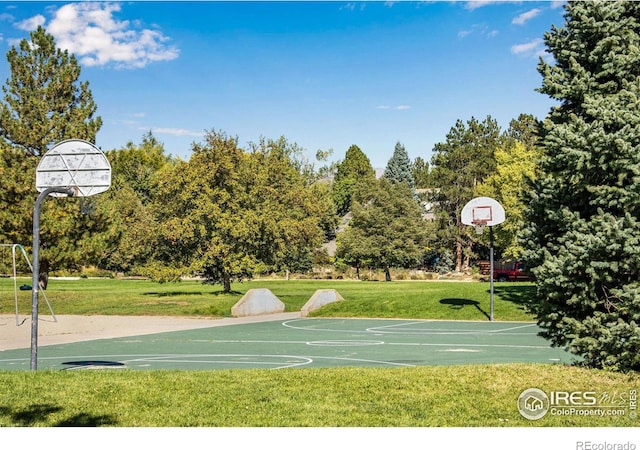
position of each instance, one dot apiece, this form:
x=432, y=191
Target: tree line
x=228, y=212
x=570, y=185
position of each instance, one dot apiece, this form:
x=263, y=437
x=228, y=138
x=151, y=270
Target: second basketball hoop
x=482, y=212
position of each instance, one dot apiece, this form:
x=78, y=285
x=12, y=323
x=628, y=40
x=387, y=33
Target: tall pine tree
x=459, y=164
x=44, y=102
x=399, y=169
x=354, y=170
x=584, y=207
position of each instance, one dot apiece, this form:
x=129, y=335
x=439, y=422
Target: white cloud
x=480, y=28
x=533, y=48
x=32, y=23
x=526, y=16
x=92, y=32
x=396, y=108
x=480, y=3
x=177, y=132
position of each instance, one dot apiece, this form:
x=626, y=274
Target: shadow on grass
x=186, y=293
x=37, y=414
x=459, y=303
x=172, y=294
x=523, y=296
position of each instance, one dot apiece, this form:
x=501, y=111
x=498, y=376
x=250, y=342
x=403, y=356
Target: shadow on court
x=92, y=363
x=459, y=303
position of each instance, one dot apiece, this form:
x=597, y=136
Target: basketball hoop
x=72, y=168
x=484, y=212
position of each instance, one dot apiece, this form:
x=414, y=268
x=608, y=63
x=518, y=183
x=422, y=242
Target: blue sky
x=325, y=75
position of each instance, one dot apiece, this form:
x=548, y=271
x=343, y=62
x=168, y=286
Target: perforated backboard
x=74, y=164
x=483, y=211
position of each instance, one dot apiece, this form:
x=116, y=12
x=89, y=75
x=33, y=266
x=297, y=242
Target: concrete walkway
x=71, y=328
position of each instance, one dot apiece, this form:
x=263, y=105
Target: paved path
x=70, y=328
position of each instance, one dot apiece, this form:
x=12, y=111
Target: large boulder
x=257, y=302
x=320, y=298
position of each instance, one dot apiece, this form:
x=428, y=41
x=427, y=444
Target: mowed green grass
x=397, y=299
x=346, y=397
x=449, y=396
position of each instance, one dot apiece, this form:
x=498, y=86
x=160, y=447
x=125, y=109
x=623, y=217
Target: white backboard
x=75, y=164
x=483, y=210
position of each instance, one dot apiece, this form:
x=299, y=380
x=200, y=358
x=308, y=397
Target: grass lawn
x=397, y=299
x=477, y=396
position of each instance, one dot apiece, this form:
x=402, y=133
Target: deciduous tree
x=228, y=213
x=129, y=241
x=387, y=229
x=516, y=162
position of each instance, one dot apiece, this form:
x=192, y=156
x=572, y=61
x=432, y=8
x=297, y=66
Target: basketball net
x=479, y=226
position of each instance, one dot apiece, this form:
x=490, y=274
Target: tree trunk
x=43, y=275
x=226, y=282
x=387, y=274
x=466, y=262
x=286, y=274
x=458, y=255
x=358, y=270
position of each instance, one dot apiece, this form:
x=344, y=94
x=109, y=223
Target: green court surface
x=303, y=342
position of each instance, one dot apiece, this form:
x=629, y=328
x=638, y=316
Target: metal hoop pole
x=35, y=283
x=15, y=283
x=491, y=270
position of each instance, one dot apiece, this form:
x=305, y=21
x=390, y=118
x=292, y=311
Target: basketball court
x=296, y=342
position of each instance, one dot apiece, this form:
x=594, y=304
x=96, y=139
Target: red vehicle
x=506, y=270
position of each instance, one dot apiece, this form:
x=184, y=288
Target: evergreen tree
x=459, y=164
x=525, y=129
x=44, y=103
x=355, y=169
x=399, y=168
x=420, y=172
x=584, y=207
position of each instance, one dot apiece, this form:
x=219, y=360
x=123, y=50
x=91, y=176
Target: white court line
x=308, y=360
x=287, y=324
x=470, y=345
x=442, y=330
x=383, y=328
x=360, y=343
x=304, y=360
x=323, y=342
